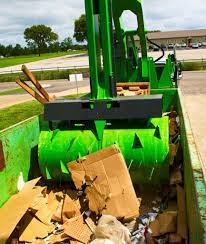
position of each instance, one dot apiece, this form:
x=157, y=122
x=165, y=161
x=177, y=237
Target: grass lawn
x=14, y=114
x=12, y=91
x=6, y=62
x=17, y=113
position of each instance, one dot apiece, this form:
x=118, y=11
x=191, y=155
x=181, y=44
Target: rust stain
x=2, y=159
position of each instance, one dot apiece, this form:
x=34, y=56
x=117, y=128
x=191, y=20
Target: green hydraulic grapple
x=135, y=124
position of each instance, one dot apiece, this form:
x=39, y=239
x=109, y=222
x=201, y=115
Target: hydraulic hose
x=163, y=51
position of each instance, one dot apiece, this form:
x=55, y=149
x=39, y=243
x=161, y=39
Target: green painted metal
x=194, y=180
x=20, y=153
x=105, y=70
x=143, y=144
x=20, y=143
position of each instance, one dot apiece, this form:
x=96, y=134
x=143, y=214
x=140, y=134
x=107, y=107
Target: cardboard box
x=109, y=187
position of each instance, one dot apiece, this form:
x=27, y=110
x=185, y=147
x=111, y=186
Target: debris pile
x=100, y=206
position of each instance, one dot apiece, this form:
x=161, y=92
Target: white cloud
x=15, y=16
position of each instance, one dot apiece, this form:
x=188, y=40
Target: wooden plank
x=32, y=78
x=31, y=91
x=129, y=84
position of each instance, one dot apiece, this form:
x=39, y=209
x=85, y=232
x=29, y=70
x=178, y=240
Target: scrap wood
x=109, y=187
x=33, y=93
x=181, y=217
x=39, y=87
x=14, y=209
x=78, y=229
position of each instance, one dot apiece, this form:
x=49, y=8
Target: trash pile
x=100, y=205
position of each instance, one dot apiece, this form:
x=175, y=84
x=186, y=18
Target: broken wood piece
x=77, y=229
x=109, y=188
x=119, y=89
x=31, y=91
x=182, y=229
x=134, y=88
x=14, y=209
x=130, y=84
x=32, y=78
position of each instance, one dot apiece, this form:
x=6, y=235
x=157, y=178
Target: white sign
x=76, y=77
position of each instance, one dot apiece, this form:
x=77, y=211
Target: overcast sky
x=16, y=15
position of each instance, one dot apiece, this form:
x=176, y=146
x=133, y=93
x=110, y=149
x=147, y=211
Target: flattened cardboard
x=109, y=187
x=164, y=223
x=181, y=217
x=35, y=229
x=14, y=209
x=77, y=229
x=46, y=212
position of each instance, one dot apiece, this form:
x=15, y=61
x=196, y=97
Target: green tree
x=54, y=47
x=66, y=44
x=17, y=50
x=40, y=36
x=2, y=50
x=80, y=29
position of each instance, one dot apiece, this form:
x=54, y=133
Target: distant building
x=176, y=37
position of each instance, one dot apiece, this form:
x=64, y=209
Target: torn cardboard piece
x=71, y=206
x=164, y=223
x=77, y=229
x=109, y=187
x=14, y=209
x=45, y=213
x=34, y=229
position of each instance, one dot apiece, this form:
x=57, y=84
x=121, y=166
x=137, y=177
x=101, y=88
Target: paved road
x=193, y=87
x=82, y=60
x=59, y=88
x=54, y=86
